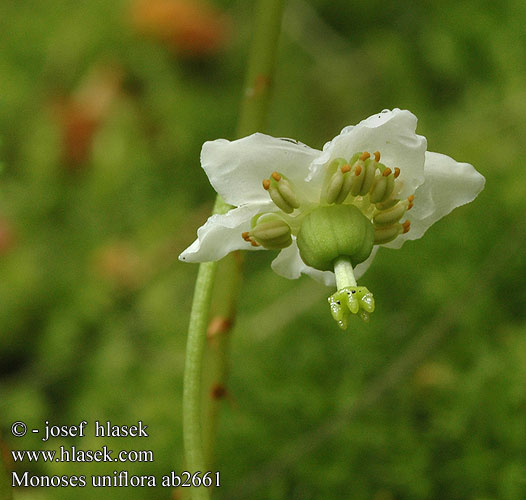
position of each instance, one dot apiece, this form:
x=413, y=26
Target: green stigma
x=350, y=298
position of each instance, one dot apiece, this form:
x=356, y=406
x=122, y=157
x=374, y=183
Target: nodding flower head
x=328, y=211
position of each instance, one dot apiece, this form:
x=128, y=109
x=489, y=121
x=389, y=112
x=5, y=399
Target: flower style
x=329, y=211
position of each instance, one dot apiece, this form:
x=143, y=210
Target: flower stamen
x=338, y=182
x=378, y=189
x=390, y=215
x=359, y=177
x=386, y=219
x=281, y=192
x=370, y=173
x=269, y=231
x=385, y=234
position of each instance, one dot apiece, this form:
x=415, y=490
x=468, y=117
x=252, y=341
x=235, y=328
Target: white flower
x=236, y=170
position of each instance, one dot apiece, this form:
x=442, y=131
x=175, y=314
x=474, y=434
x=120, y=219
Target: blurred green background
x=103, y=110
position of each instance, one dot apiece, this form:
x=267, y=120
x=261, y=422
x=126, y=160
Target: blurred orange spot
x=121, y=265
x=191, y=28
x=82, y=113
x=78, y=130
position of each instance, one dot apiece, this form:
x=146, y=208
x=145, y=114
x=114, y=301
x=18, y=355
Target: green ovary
x=329, y=232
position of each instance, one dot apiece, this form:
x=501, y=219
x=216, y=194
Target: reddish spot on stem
x=218, y=391
x=261, y=83
x=218, y=325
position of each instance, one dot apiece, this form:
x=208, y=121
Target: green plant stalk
x=223, y=308
x=252, y=118
x=192, y=373
x=261, y=63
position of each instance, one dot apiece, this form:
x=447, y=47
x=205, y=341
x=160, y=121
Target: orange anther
x=406, y=225
x=410, y=205
x=245, y=236
x=358, y=170
x=397, y=172
x=256, y=244
x=345, y=168
x=276, y=176
x=377, y=156
x=365, y=155
x=266, y=184
x=387, y=172
x=411, y=198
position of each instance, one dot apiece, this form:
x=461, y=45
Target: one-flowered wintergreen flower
x=375, y=184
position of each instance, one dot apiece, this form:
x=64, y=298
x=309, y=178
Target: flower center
x=358, y=207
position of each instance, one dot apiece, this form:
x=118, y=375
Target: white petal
x=288, y=264
x=449, y=184
x=236, y=169
x=360, y=269
x=221, y=234
x=390, y=132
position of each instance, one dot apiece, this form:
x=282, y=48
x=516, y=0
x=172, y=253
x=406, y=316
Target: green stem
x=262, y=57
x=223, y=307
x=192, y=373
x=344, y=273
x=252, y=118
